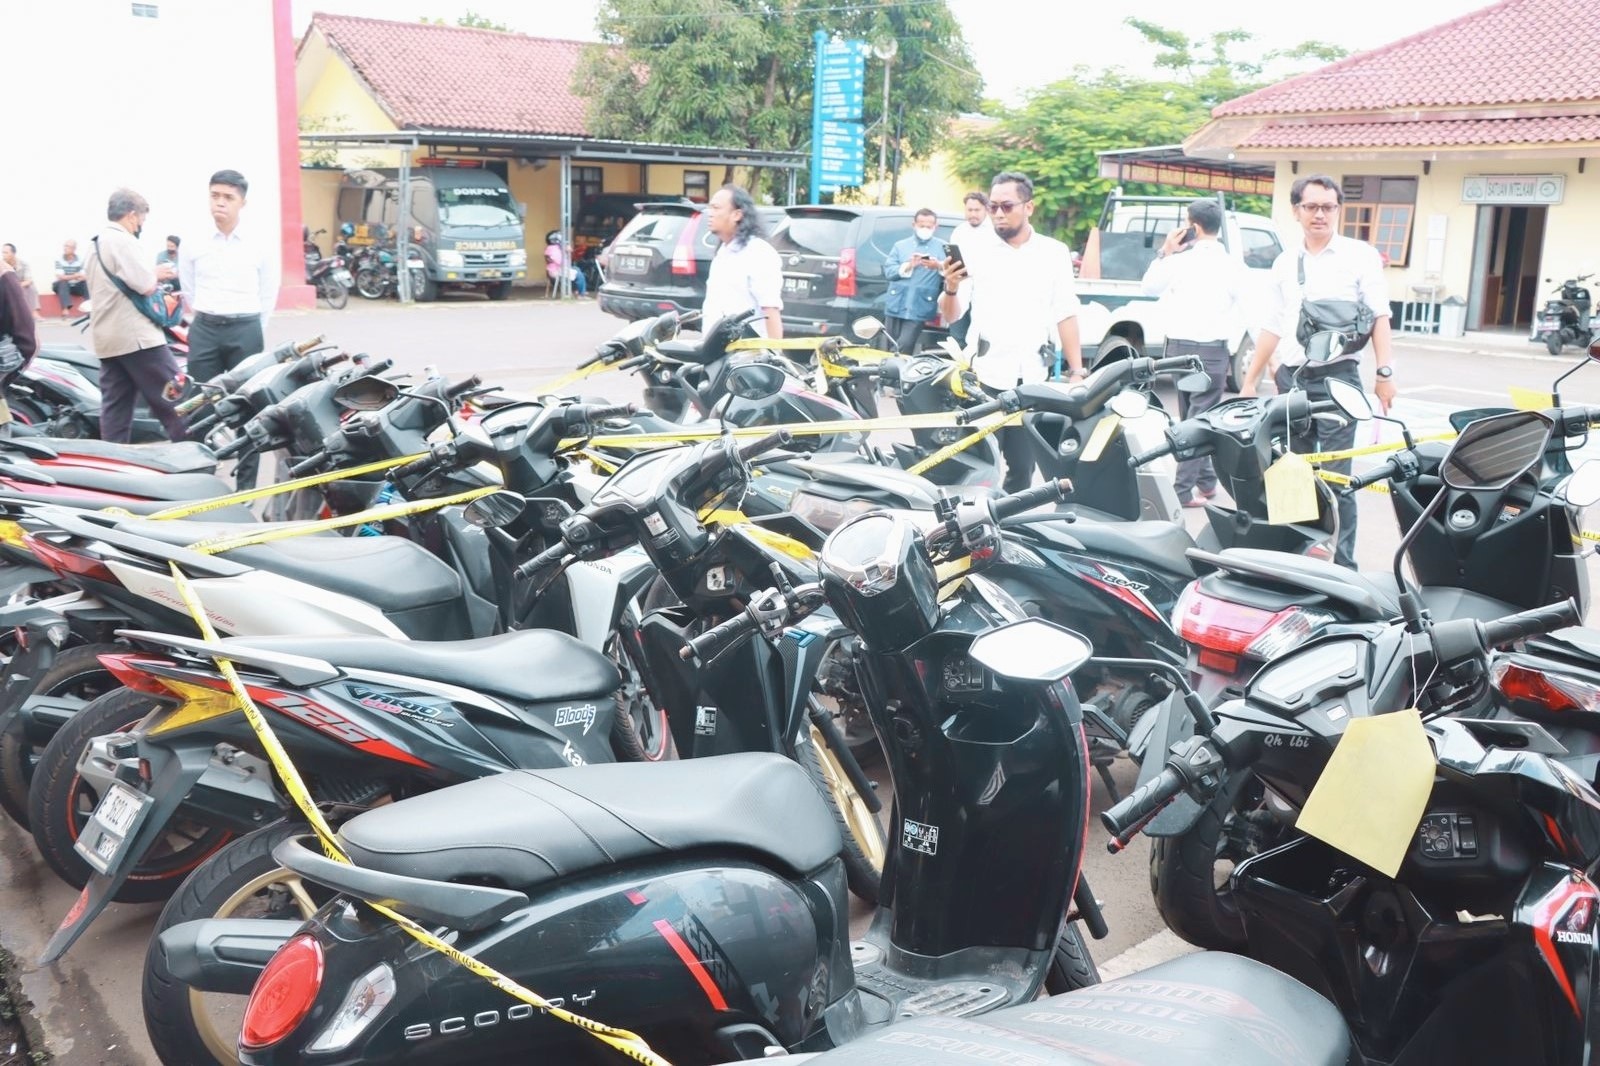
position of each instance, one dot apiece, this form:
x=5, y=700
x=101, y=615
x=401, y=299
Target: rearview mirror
x=550, y=512
x=754, y=381
x=866, y=327
x=1349, y=399
x=1031, y=650
x=366, y=393
x=1199, y=381
x=1583, y=487
x=494, y=510
x=1492, y=453
x=1129, y=404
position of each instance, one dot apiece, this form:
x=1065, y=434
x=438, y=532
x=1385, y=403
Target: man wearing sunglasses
x=1023, y=305
x=1330, y=267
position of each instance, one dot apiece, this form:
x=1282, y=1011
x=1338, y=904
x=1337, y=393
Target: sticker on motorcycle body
x=919, y=837
x=705, y=721
x=574, y=716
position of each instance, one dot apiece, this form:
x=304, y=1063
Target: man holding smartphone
x=913, y=271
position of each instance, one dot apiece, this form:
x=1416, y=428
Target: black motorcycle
x=1566, y=319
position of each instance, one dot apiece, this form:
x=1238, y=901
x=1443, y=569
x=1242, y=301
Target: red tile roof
x=1425, y=133
x=447, y=77
x=1516, y=52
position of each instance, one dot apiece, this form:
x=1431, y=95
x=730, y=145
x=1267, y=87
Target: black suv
x=833, y=260
x=661, y=259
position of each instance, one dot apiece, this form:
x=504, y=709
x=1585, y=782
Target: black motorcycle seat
x=1159, y=546
x=1578, y=643
x=1371, y=600
x=149, y=485
x=1446, y=601
x=1196, y=1010
x=530, y=665
x=391, y=573
x=524, y=828
x=76, y=354
x=183, y=457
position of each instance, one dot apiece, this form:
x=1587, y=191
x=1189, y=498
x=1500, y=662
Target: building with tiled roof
x=1462, y=152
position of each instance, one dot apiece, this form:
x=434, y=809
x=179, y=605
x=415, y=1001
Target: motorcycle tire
x=639, y=730
x=60, y=802
x=1552, y=343
x=76, y=672
x=30, y=412
x=865, y=839
x=1071, y=967
x=1183, y=870
x=240, y=881
x=371, y=283
x=335, y=294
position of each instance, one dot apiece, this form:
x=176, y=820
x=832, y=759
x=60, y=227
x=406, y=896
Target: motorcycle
x=331, y=277
x=1492, y=892
x=1566, y=319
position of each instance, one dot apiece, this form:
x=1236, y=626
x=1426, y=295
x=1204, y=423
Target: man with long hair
x=746, y=273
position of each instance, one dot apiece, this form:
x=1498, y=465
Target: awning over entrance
x=1168, y=165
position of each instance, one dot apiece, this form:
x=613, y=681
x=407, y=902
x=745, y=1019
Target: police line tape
x=630, y=1044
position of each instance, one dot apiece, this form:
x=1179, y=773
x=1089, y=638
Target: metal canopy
x=1167, y=164
x=549, y=146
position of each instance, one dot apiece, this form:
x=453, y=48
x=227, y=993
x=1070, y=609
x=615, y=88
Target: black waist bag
x=1353, y=318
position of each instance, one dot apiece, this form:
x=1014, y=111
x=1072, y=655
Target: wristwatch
x=1385, y=372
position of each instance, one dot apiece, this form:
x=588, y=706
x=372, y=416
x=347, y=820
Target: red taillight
x=1219, y=661
x=683, y=253
x=845, y=283
x=284, y=993
x=66, y=563
x=127, y=670
x=1553, y=692
x=1239, y=629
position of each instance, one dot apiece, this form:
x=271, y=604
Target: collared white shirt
x=1201, y=292
x=1347, y=269
x=745, y=276
x=1020, y=296
x=229, y=274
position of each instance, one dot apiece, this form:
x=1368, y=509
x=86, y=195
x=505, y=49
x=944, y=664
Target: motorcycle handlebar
x=1186, y=363
x=235, y=447
x=864, y=372
x=414, y=467
x=193, y=403
x=308, y=464
x=776, y=439
x=714, y=641
x=989, y=407
x=455, y=391
x=636, y=361
x=1124, y=819
x=1164, y=448
x=1026, y=500
x=303, y=347
x=1382, y=472
x=608, y=348
x=549, y=557
x=1529, y=623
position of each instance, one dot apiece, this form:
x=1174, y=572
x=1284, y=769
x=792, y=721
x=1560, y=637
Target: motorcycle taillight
x=1550, y=690
x=284, y=993
x=68, y=563
x=1219, y=625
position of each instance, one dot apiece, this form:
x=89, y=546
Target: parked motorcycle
x=1566, y=319
x=331, y=277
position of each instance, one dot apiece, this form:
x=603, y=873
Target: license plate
x=111, y=826
x=414, y=264
x=633, y=264
x=488, y=273
x=343, y=278
x=796, y=287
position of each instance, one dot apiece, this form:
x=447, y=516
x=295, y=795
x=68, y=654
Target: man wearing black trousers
x=229, y=278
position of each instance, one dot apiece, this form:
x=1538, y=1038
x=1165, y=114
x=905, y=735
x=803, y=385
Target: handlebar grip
x=1528, y=623
x=714, y=641
x=414, y=467
x=620, y=410
x=308, y=464
x=1123, y=820
x=199, y=429
x=550, y=556
x=775, y=439
x=865, y=372
x=235, y=446
x=977, y=411
x=636, y=361
x=1177, y=362
x=457, y=390
x=330, y=360
x=305, y=346
x=1382, y=472
x=192, y=404
x=1028, y=499
x=1164, y=448
x=599, y=354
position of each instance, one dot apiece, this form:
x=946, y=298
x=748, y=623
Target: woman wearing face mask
x=914, y=281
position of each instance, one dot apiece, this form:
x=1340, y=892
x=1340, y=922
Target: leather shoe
x=1194, y=501
x=1208, y=495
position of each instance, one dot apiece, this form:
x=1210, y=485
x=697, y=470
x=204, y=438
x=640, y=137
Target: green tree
x=738, y=73
x=472, y=21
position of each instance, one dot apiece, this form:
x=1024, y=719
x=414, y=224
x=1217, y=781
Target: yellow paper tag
x=1103, y=432
x=1530, y=399
x=1371, y=795
x=1291, y=490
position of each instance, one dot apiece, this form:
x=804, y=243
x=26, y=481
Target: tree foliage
x=1054, y=136
x=739, y=72
x=472, y=21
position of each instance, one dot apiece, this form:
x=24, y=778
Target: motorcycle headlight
x=518, y=258
x=451, y=260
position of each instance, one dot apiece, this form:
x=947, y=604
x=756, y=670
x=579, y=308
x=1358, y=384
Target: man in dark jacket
x=17, y=339
x=914, y=281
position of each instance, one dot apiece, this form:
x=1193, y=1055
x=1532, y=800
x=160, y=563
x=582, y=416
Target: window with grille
x=586, y=182
x=1380, y=211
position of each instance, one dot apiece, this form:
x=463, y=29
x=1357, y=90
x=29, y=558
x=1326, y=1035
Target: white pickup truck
x=1124, y=244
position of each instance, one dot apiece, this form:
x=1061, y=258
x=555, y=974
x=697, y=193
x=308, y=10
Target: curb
x=1160, y=948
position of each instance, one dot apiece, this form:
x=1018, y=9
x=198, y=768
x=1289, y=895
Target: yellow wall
x=338, y=102
x=930, y=182
x=319, y=204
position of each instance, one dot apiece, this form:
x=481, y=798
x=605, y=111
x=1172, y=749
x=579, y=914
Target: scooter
x=1566, y=319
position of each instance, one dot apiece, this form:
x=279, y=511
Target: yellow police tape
x=576, y=376
x=383, y=513
x=630, y=1044
x=185, y=510
x=706, y=431
x=1373, y=449
x=964, y=443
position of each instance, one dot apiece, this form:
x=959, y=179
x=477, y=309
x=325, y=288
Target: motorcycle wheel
x=639, y=729
x=240, y=881
x=1071, y=967
x=29, y=412
x=865, y=841
x=76, y=672
x=334, y=293
x=1552, y=343
x=371, y=283
x=1189, y=873
x=60, y=802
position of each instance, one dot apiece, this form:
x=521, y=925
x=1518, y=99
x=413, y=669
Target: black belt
x=207, y=316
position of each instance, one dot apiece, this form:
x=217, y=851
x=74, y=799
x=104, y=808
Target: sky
x=1020, y=44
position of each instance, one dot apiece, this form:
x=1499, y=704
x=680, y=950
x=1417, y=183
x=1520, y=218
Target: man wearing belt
x=1334, y=267
x=230, y=281
x=1201, y=290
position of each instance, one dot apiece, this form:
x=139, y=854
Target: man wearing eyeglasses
x=1023, y=305
x=1330, y=267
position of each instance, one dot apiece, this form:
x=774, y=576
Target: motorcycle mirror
x=1594, y=350
x=1349, y=399
x=494, y=510
x=1195, y=382
x=754, y=381
x=866, y=327
x=1493, y=452
x=1325, y=345
x=1583, y=487
x=1129, y=403
x=1031, y=650
x=550, y=512
x=366, y=394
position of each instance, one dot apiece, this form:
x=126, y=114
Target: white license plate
x=343, y=278
x=118, y=808
x=113, y=823
x=414, y=264
x=633, y=264
x=488, y=273
x=796, y=287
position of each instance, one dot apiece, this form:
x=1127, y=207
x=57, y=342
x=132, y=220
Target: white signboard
x=1513, y=188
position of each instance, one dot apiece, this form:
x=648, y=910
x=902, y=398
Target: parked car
x=660, y=260
x=833, y=260
x=602, y=216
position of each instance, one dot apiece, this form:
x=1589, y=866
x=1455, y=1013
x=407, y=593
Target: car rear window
x=813, y=235
x=656, y=228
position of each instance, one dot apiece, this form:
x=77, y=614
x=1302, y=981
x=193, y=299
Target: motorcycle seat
x=184, y=457
x=1446, y=601
x=1196, y=1010
x=1370, y=600
x=1159, y=546
x=1577, y=643
x=525, y=828
x=149, y=485
x=75, y=354
x=391, y=573
x=528, y=666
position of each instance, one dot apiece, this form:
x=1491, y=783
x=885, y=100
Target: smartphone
x=952, y=255
x=1188, y=236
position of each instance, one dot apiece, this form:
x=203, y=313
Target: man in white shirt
x=978, y=232
x=746, y=273
x=1331, y=267
x=1201, y=290
x=1023, y=304
x=229, y=279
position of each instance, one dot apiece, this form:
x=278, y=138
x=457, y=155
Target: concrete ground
x=88, y=1004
